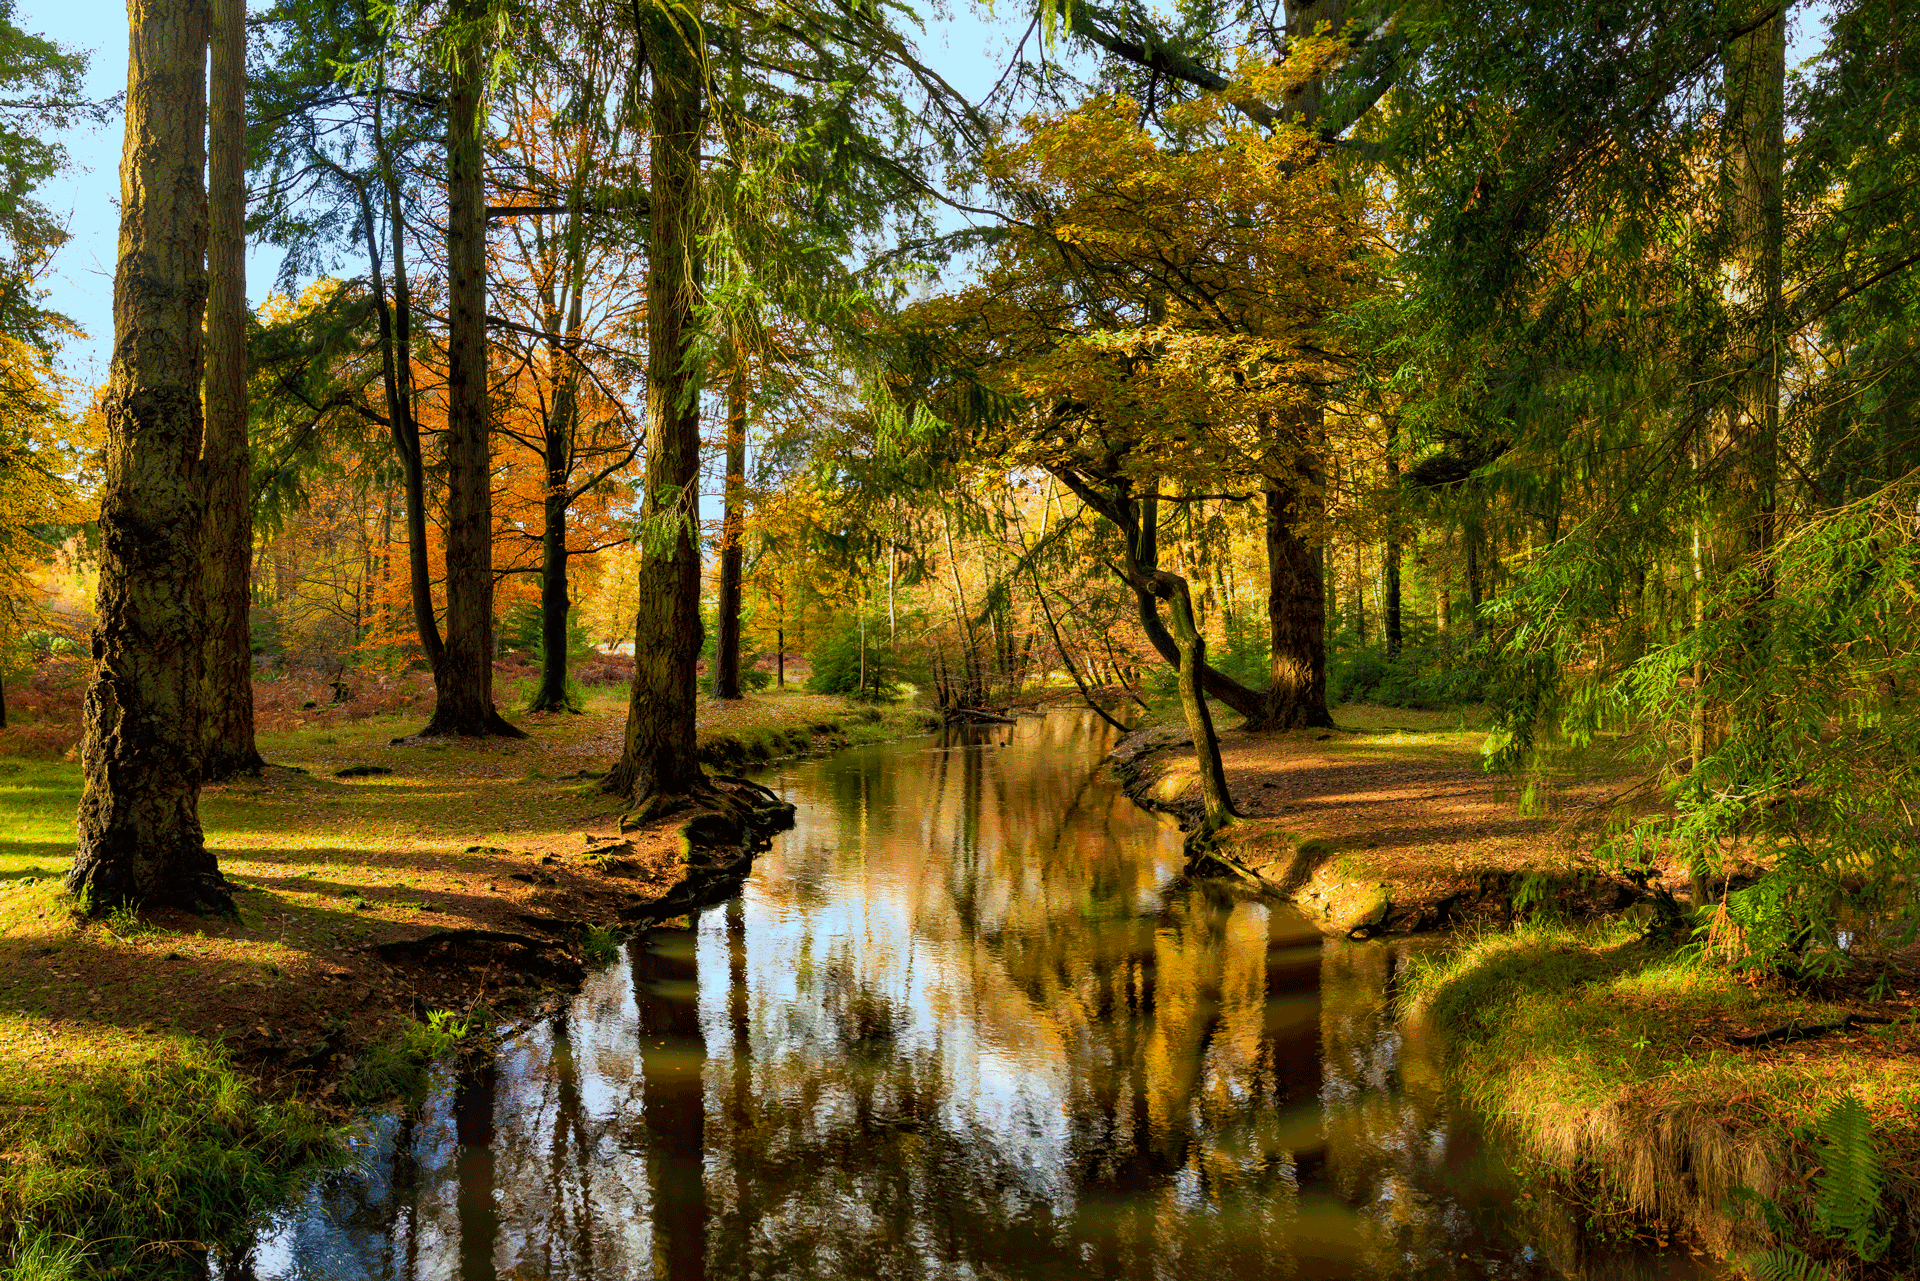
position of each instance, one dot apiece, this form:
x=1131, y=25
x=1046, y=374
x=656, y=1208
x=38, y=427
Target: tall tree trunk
x=557, y=443
x=396, y=345
x=1393, y=624
x=660, y=759
x=1296, y=694
x=225, y=464
x=1472, y=535
x=139, y=825
x=733, y=519
x=1755, y=75
x=463, y=679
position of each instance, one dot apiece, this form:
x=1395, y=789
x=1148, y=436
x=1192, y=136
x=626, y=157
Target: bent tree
x=139, y=825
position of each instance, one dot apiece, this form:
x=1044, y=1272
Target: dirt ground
x=1390, y=824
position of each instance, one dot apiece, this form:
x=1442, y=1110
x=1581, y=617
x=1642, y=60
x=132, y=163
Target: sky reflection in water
x=958, y=1025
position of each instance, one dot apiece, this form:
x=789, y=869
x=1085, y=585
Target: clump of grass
x=121, y=1170
x=600, y=944
x=402, y=1068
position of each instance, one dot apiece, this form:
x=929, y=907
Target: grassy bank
x=162, y=1077
x=1609, y=1061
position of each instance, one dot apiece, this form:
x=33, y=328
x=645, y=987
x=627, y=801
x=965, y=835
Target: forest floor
x=1607, y=1050
x=376, y=881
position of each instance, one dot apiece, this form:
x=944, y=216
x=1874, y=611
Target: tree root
x=1206, y=858
x=1794, y=1030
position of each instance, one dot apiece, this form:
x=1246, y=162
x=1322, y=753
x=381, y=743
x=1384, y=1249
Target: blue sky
x=970, y=48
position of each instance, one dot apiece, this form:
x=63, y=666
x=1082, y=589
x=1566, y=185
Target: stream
x=963, y=1021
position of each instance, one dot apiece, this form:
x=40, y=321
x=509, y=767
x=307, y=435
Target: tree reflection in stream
x=963, y=1021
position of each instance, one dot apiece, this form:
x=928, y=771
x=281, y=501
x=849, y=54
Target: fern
x=1785, y=1264
x=1847, y=1207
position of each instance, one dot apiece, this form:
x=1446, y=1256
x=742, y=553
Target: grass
x=145, y=1101
x=1606, y=1058
x=136, y=1162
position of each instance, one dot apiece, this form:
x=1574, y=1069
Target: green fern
x=1785, y=1264
x=1847, y=1207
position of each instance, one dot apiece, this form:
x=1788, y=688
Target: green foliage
x=1847, y=1207
x=600, y=944
x=42, y=1256
x=1788, y=1263
x=136, y=1160
x=1430, y=674
x=401, y=1068
x=856, y=662
x=1847, y=1198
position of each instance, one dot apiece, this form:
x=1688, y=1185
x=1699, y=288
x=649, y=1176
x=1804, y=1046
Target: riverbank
x=1389, y=824
x=377, y=881
x=1621, y=1068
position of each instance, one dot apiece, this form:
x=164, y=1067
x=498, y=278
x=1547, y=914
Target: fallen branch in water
x=1794, y=1030
x=977, y=716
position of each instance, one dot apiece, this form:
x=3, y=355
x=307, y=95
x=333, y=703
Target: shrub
x=843, y=662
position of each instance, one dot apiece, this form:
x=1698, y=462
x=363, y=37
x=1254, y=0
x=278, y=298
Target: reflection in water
x=962, y=1022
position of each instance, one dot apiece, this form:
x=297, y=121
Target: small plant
x=600, y=944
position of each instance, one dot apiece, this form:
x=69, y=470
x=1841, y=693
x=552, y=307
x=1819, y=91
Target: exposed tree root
x=1794, y=1030
x=443, y=725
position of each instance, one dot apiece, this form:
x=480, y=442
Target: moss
x=1605, y=1058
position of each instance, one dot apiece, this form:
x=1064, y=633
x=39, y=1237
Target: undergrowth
x=135, y=1169
x=1603, y=1056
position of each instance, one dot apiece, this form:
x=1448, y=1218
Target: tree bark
x=1172, y=588
x=225, y=463
x=733, y=518
x=659, y=759
x=1753, y=175
x=1296, y=693
x=463, y=679
x=557, y=456
x=139, y=828
x=1393, y=620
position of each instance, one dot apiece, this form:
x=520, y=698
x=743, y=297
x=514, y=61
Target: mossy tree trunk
x=733, y=519
x=659, y=759
x=225, y=463
x=139, y=826
x=463, y=679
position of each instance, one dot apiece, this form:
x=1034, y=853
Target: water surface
x=964, y=1021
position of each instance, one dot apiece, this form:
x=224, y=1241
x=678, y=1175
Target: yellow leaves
x=1163, y=303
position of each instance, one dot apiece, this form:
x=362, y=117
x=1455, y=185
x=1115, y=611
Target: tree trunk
x=1755, y=75
x=1472, y=534
x=225, y=464
x=660, y=758
x=726, y=649
x=396, y=338
x=1393, y=541
x=1172, y=588
x=463, y=679
x=555, y=604
x=1296, y=694
x=139, y=826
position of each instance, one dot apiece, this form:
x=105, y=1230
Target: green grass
x=129, y=1171
x=1606, y=1058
